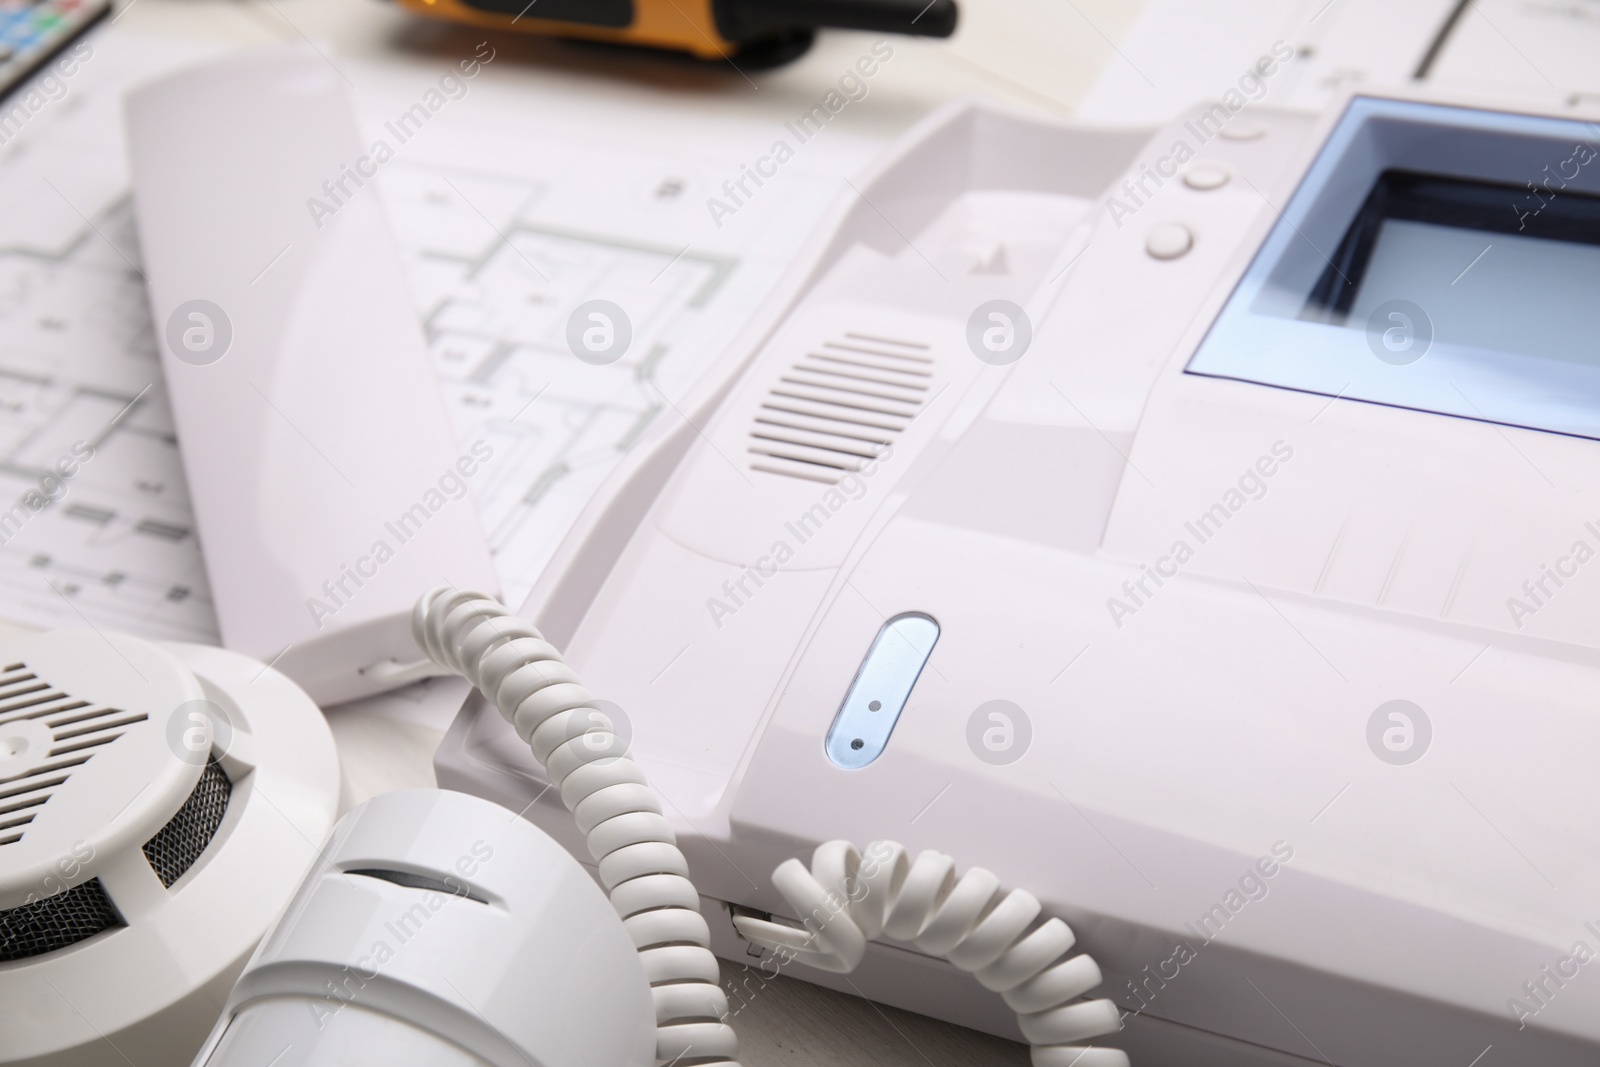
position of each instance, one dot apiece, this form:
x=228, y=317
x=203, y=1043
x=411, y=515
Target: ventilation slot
x=78, y=729
x=447, y=886
x=840, y=407
x=55, y=922
x=179, y=843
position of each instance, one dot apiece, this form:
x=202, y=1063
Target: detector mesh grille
x=176, y=846
x=55, y=922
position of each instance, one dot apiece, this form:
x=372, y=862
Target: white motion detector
x=439, y=930
x=1191, y=526
x=158, y=806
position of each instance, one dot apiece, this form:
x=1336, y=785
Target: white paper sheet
x=510, y=212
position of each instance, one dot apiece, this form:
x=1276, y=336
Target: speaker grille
x=55, y=922
x=176, y=846
x=840, y=407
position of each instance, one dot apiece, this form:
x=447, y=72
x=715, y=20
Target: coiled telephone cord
x=847, y=899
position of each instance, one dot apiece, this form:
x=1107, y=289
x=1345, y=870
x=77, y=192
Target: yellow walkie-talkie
x=711, y=29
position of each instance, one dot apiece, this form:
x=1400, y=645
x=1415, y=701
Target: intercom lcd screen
x=1488, y=267
x=1434, y=258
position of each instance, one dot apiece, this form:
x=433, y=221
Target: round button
x=1169, y=240
x=1243, y=130
x=1205, y=177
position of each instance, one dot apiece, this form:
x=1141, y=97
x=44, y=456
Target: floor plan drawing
x=501, y=248
x=80, y=389
x=495, y=314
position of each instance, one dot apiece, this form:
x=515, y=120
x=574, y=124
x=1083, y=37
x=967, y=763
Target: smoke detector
x=159, y=804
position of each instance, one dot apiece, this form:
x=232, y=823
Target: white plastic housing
x=1171, y=748
x=328, y=488
x=108, y=739
x=440, y=929
x=85, y=757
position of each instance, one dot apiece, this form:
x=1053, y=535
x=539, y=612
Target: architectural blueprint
x=501, y=243
x=495, y=313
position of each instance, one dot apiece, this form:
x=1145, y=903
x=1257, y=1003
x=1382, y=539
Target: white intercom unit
x=1194, y=527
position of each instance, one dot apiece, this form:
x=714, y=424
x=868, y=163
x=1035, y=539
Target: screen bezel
x=1264, y=335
